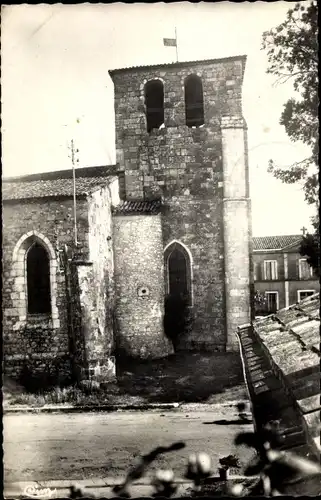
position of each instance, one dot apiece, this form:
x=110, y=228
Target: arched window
x=154, y=102
x=38, y=280
x=178, y=272
x=34, y=264
x=194, y=105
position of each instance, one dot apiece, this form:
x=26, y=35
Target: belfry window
x=154, y=102
x=194, y=105
x=38, y=280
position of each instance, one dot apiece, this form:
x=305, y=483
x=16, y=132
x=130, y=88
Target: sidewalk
x=62, y=408
x=102, y=488
x=73, y=408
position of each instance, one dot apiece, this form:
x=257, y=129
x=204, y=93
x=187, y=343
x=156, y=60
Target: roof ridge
x=53, y=188
x=64, y=174
x=242, y=57
x=277, y=236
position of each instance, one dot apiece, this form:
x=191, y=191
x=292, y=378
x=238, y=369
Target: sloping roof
x=101, y=171
x=275, y=242
x=56, y=184
x=134, y=207
x=179, y=64
x=292, y=339
x=51, y=189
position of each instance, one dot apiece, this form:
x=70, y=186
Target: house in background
x=281, y=275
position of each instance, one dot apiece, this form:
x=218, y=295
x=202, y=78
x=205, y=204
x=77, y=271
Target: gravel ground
x=87, y=445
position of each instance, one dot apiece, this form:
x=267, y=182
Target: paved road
x=87, y=445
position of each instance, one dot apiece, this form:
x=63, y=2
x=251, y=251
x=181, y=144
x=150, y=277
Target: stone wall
x=198, y=225
x=183, y=165
x=38, y=345
x=175, y=158
x=96, y=284
x=237, y=227
x=139, y=282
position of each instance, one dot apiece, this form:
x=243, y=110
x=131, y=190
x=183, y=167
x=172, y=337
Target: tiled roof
x=292, y=339
x=179, y=64
x=275, y=242
x=57, y=183
x=134, y=207
x=102, y=171
x=51, y=188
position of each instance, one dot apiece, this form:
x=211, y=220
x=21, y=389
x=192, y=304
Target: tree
x=260, y=302
x=310, y=247
x=292, y=50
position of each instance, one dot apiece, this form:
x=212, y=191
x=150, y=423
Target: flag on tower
x=170, y=42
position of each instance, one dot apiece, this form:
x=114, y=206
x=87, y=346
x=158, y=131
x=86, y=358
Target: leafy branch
x=292, y=51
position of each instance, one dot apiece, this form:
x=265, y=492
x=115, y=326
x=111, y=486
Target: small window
x=305, y=271
x=38, y=280
x=303, y=294
x=270, y=270
x=272, y=301
x=194, y=105
x=154, y=102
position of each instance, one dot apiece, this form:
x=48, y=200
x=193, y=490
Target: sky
x=56, y=86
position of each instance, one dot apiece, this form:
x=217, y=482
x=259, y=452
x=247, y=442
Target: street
x=90, y=445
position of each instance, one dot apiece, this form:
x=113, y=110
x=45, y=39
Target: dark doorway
x=178, y=298
x=38, y=280
x=177, y=274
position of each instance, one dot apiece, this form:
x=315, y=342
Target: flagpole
x=176, y=44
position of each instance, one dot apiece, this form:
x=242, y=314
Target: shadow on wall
x=37, y=375
x=177, y=319
x=183, y=376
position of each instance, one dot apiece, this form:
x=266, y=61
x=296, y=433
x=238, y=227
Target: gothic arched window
x=38, y=279
x=154, y=102
x=194, y=105
x=178, y=272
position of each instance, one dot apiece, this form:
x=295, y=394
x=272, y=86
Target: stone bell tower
x=181, y=139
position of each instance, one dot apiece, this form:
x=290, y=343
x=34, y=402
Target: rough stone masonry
x=201, y=175
x=170, y=220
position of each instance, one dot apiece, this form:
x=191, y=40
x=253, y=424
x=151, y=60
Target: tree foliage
x=292, y=50
x=310, y=247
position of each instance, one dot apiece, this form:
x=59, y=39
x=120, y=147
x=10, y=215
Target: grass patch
x=73, y=395
x=211, y=378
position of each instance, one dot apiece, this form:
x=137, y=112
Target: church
x=141, y=258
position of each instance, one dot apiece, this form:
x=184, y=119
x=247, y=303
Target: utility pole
x=176, y=45
x=74, y=161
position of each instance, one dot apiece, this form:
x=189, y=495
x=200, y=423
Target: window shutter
x=258, y=272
